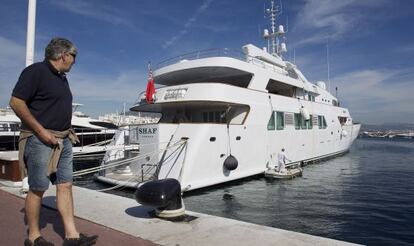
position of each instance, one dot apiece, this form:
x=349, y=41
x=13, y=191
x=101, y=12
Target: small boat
x=290, y=173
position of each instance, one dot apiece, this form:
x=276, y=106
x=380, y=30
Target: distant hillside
x=387, y=126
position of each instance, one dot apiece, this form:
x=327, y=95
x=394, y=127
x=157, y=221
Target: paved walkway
x=13, y=226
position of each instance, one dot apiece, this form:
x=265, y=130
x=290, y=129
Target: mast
x=276, y=35
x=31, y=24
x=328, y=65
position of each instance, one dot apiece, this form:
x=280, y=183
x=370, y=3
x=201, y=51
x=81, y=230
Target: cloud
x=12, y=61
x=123, y=87
x=408, y=48
x=188, y=24
x=99, y=12
x=85, y=85
x=8, y=53
x=378, y=96
x=331, y=19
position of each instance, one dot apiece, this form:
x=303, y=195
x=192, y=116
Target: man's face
x=68, y=59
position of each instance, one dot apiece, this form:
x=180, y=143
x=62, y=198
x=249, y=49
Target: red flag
x=149, y=93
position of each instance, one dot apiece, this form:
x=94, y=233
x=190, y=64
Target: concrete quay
x=129, y=223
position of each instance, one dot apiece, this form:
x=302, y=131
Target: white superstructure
x=250, y=105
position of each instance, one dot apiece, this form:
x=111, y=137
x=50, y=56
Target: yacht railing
x=224, y=52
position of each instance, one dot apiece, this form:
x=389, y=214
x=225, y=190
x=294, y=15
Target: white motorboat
x=225, y=114
x=89, y=130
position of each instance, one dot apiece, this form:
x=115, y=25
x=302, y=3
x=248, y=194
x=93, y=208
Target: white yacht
x=9, y=129
x=89, y=130
x=225, y=115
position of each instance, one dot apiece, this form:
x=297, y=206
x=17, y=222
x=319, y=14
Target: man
x=43, y=101
x=282, y=160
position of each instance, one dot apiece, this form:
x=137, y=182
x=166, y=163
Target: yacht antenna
x=272, y=12
x=328, y=64
x=275, y=37
x=294, y=55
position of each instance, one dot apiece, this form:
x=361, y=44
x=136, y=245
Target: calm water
x=366, y=196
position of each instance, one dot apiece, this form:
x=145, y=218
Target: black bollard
x=164, y=195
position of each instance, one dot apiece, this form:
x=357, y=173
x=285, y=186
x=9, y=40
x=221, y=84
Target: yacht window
x=280, y=120
x=342, y=120
x=3, y=128
x=280, y=88
x=301, y=123
x=213, y=74
x=322, y=122
x=212, y=117
x=309, y=123
x=293, y=74
x=311, y=98
x=82, y=129
x=271, y=123
x=201, y=112
x=297, y=121
x=14, y=127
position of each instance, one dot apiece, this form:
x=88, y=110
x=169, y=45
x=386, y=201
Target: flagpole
x=31, y=25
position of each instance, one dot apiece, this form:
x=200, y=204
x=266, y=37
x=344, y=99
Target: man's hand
x=47, y=138
x=22, y=111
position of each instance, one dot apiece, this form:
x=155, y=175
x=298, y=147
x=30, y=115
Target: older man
x=43, y=101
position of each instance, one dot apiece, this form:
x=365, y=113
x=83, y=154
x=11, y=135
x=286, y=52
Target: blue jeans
x=36, y=155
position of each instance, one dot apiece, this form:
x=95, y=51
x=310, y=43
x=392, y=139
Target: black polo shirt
x=47, y=94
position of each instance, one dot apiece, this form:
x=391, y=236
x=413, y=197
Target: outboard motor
x=230, y=163
x=164, y=195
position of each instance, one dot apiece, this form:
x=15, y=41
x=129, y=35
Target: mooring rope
x=122, y=162
x=136, y=176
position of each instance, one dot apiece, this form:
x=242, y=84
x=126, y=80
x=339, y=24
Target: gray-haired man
x=43, y=101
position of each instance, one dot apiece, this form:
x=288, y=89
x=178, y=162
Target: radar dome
x=281, y=30
x=321, y=84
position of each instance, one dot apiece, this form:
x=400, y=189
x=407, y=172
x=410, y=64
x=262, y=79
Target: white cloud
x=188, y=24
x=86, y=86
x=409, y=48
x=99, y=11
x=331, y=19
x=12, y=61
x=378, y=96
x=123, y=87
x=9, y=52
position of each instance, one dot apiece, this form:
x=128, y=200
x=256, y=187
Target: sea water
x=365, y=196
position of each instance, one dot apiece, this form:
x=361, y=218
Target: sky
x=370, y=43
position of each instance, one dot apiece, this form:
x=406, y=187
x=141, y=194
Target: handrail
x=224, y=52
x=215, y=52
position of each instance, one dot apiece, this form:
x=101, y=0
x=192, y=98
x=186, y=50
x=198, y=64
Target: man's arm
x=22, y=111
